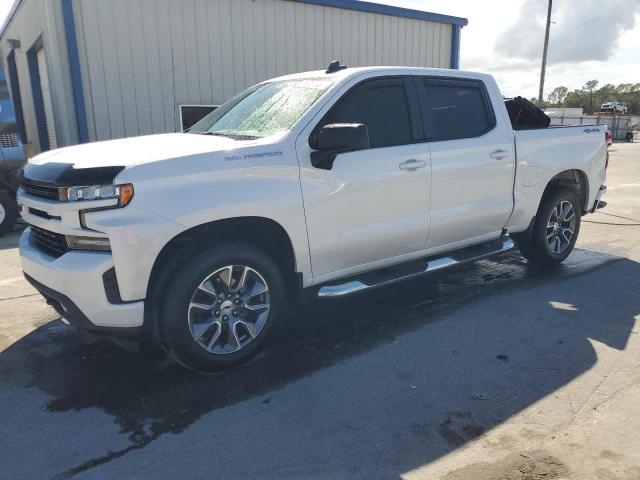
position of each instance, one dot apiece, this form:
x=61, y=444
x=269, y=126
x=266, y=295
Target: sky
x=590, y=39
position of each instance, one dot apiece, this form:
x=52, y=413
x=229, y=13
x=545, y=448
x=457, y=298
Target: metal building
x=87, y=70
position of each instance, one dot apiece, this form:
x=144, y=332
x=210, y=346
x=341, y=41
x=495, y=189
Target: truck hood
x=100, y=162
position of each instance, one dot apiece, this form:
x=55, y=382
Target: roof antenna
x=335, y=67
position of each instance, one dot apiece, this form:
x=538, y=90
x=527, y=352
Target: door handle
x=411, y=165
x=499, y=154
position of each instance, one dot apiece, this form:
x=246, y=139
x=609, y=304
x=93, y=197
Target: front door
x=373, y=205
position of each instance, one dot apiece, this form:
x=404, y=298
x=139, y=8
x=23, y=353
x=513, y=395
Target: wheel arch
x=575, y=180
x=258, y=231
x=262, y=232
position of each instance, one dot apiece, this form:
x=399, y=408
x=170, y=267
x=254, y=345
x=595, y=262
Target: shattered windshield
x=263, y=110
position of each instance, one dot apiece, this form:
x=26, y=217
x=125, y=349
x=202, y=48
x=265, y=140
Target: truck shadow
x=11, y=239
x=420, y=369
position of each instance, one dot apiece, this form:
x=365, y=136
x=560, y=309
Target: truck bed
x=544, y=152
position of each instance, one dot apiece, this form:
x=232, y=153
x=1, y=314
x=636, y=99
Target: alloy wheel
x=228, y=309
x=561, y=227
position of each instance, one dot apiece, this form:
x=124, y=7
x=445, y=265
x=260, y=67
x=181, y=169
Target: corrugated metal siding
x=140, y=59
x=33, y=19
x=47, y=101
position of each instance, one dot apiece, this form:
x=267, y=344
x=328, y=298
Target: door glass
x=382, y=106
x=454, y=110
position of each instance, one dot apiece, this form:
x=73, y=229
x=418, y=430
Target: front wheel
x=219, y=307
x=555, y=230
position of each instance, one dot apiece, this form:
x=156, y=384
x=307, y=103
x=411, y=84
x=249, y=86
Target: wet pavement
x=418, y=380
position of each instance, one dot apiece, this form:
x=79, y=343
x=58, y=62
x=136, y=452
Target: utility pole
x=544, y=55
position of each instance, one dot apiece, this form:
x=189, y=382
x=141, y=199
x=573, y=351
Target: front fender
x=163, y=208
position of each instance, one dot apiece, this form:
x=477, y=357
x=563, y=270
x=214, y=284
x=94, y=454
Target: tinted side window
x=382, y=106
x=454, y=109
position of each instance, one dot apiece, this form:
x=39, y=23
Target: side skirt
x=386, y=276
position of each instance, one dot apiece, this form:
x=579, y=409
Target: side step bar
x=394, y=274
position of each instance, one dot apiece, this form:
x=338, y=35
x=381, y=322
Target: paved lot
x=497, y=370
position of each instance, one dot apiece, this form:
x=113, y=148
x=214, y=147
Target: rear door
x=373, y=205
x=472, y=161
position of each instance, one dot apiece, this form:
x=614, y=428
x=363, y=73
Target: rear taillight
x=607, y=137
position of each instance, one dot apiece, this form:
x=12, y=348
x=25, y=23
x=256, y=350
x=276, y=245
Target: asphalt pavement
x=495, y=370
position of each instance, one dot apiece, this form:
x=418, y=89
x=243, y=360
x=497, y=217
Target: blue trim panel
x=36, y=90
x=388, y=10
x=455, y=46
x=15, y=95
x=74, y=67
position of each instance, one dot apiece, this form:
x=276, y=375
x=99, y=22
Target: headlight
x=88, y=243
x=123, y=193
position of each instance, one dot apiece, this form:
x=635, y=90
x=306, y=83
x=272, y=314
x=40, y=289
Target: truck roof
x=349, y=72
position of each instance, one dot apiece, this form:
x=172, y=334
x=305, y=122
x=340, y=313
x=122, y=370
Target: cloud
x=585, y=30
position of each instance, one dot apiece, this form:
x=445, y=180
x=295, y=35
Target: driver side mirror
x=337, y=138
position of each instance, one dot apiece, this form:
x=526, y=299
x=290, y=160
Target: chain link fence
x=618, y=125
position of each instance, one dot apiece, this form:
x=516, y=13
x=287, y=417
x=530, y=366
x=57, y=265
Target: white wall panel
x=32, y=20
x=140, y=59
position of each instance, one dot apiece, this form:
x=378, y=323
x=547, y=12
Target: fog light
x=88, y=243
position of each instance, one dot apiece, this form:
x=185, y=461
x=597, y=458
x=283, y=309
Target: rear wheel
x=555, y=230
x=8, y=212
x=220, y=306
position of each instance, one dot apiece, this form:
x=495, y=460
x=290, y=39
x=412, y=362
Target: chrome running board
x=398, y=273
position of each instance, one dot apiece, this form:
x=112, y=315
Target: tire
x=204, y=291
x=547, y=242
x=8, y=212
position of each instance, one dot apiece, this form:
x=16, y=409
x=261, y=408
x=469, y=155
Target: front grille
x=43, y=191
x=8, y=139
x=51, y=243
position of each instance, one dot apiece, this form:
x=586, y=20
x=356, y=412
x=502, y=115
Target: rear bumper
x=73, y=284
x=601, y=192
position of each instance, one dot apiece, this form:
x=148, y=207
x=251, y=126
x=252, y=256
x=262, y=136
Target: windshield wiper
x=234, y=136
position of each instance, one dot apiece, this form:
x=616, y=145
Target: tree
x=589, y=96
x=536, y=101
x=624, y=88
x=576, y=99
x=590, y=87
x=607, y=93
x=558, y=96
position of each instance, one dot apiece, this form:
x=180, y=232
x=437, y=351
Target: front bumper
x=73, y=284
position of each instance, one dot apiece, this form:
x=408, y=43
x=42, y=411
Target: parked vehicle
x=617, y=108
x=12, y=159
x=338, y=181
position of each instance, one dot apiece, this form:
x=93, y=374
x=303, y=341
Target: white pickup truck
x=339, y=180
